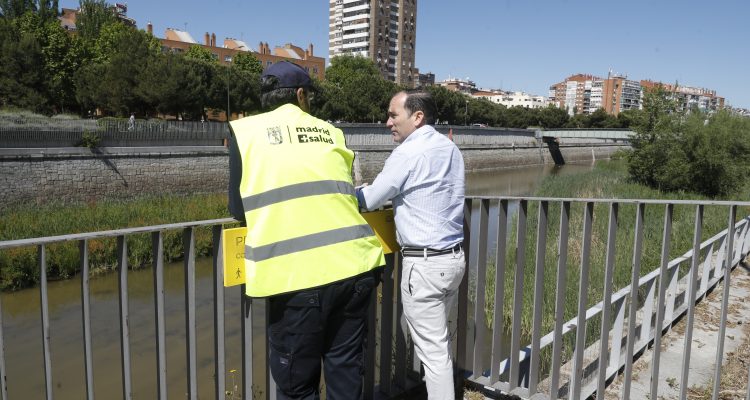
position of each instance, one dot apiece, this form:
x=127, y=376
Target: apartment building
x=688, y=97
x=584, y=94
x=177, y=41
x=384, y=31
x=465, y=86
x=512, y=99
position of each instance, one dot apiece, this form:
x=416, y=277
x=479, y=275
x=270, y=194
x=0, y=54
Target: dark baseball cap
x=290, y=75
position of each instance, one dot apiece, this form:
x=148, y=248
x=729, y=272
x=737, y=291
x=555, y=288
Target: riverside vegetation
x=19, y=266
x=608, y=180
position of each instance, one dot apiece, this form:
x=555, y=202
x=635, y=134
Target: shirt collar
x=419, y=132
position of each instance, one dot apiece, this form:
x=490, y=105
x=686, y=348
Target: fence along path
x=623, y=322
x=653, y=300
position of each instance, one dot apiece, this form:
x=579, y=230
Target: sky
x=521, y=45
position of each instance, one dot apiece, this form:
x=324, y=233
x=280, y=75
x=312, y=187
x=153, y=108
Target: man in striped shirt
x=424, y=178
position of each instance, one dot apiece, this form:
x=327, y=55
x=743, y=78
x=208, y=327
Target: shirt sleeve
x=388, y=184
x=235, y=177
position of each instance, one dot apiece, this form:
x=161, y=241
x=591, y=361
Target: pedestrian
x=424, y=177
x=307, y=249
x=131, y=122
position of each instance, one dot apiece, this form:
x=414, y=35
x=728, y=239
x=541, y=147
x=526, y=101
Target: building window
x=228, y=59
x=315, y=70
x=269, y=63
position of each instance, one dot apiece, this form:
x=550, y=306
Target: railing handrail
x=621, y=201
x=111, y=233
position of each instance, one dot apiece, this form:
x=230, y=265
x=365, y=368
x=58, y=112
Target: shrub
x=694, y=152
x=89, y=139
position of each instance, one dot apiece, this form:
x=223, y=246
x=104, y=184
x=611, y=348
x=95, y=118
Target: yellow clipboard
x=233, y=247
x=385, y=229
x=233, y=244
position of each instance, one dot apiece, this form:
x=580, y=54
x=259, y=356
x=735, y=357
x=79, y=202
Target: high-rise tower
x=381, y=30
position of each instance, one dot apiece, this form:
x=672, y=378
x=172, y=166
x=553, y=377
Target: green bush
x=89, y=139
x=693, y=152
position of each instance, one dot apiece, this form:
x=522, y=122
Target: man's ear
x=418, y=118
x=302, y=100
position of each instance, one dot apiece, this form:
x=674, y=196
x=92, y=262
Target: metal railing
x=623, y=322
x=619, y=324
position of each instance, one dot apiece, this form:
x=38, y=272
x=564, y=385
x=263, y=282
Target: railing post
x=246, y=324
x=188, y=242
x=218, y=292
x=157, y=245
x=561, y=287
x=692, y=288
x=498, y=322
x=386, y=325
x=634, y=278
x=515, y=338
x=479, y=269
x=660, y=306
x=724, y=302
x=48, y=384
x=3, y=371
x=83, y=250
x=122, y=261
x=583, y=288
x=462, y=335
x=607, y=299
x=536, y=331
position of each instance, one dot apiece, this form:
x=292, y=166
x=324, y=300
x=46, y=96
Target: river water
x=22, y=326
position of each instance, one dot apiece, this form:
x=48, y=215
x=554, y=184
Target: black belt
x=428, y=252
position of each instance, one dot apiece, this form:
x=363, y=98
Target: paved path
x=703, y=350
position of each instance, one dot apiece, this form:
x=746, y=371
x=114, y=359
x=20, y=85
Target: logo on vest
x=313, y=135
x=274, y=135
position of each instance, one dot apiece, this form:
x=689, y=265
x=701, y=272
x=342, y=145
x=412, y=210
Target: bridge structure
x=539, y=315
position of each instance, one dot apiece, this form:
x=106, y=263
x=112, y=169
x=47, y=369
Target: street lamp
x=466, y=114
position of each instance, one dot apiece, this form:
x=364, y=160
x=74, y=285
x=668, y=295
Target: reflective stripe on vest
x=304, y=227
x=295, y=192
x=307, y=242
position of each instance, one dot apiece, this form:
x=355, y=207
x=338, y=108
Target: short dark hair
x=273, y=97
x=419, y=100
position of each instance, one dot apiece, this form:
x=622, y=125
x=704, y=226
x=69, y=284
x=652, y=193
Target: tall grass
x=19, y=266
x=606, y=181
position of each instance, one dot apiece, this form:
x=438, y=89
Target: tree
x=94, y=15
x=46, y=9
x=519, y=117
x=552, y=117
x=12, y=9
x=601, y=119
x=246, y=61
x=22, y=81
x=61, y=55
x=123, y=52
x=201, y=53
x=694, y=152
x=355, y=91
x=450, y=105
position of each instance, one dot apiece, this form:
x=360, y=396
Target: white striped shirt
x=424, y=177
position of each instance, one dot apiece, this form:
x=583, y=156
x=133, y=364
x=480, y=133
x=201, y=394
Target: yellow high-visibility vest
x=303, y=225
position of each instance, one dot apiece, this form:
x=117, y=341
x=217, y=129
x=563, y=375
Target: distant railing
x=36, y=132
x=46, y=132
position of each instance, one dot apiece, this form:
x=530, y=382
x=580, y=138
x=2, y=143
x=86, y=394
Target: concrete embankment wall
x=41, y=175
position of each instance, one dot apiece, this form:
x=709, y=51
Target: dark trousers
x=327, y=323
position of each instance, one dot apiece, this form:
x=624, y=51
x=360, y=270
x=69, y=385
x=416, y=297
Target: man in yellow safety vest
x=307, y=249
